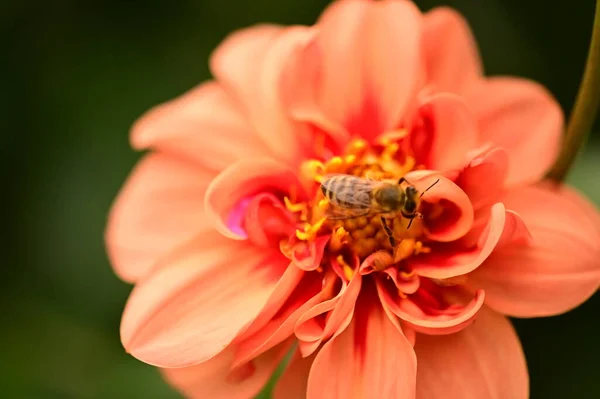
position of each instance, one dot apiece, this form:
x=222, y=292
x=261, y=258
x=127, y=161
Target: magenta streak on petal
x=236, y=217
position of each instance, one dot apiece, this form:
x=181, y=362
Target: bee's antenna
x=428, y=188
x=409, y=223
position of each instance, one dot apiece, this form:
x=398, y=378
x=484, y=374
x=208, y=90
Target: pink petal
x=158, y=209
x=451, y=56
x=293, y=382
x=214, y=378
x=483, y=177
x=316, y=326
x=483, y=361
x=446, y=322
x=443, y=131
x=242, y=180
x=370, y=359
x=281, y=325
x=361, y=68
x=523, y=117
x=250, y=63
x=448, y=261
x=456, y=217
x=559, y=269
x=201, y=298
x=204, y=125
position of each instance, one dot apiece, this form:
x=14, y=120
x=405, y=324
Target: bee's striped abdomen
x=341, y=191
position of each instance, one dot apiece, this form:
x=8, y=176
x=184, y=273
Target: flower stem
x=585, y=108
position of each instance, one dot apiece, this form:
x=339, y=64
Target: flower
x=225, y=230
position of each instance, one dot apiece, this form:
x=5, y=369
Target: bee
x=353, y=197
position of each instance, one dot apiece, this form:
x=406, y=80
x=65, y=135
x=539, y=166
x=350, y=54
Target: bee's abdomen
x=339, y=190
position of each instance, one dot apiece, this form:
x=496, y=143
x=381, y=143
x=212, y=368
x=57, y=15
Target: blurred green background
x=78, y=73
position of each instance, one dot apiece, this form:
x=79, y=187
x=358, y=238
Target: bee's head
x=409, y=209
x=390, y=198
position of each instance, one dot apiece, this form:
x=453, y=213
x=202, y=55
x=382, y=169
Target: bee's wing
x=356, y=198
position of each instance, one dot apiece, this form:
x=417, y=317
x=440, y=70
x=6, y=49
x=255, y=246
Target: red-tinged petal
x=456, y=215
x=483, y=177
x=294, y=380
x=523, y=117
x=201, y=298
x=214, y=378
x=285, y=287
x=316, y=326
x=370, y=359
x=483, y=361
x=408, y=283
x=361, y=69
x=307, y=255
x=445, y=321
x=443, y=131
x=452, y=60
x=250, y=63
x=559, y=269
x=158, y=209
x=447, y=261
x=226, y=194
x=306, y=295
x=204, y=125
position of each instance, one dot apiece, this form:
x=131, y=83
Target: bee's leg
x=389, y=232
x=403, y=180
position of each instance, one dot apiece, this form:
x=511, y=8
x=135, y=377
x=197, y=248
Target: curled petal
x=523, y=117
x=443, y=130
x=441, y=321
x=204, y=125
x=375, y=262
x=559, y=269
x=483, y=177
x=307, y=255
x=454, y=216
x=407, y=283
x=360, y=70
x=307, y=294
x=250, y=63
x=198, y=301
x=293, y=381
x=486, y=357
x=316, y=326
x=452, y=60
x=239, y=181
x=158, y=210
x=214, y=378
x=447, y=261
x=370, y=359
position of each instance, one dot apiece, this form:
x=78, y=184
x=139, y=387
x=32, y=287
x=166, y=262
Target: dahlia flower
x=223, y=226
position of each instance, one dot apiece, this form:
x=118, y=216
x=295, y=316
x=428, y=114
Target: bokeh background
x=78, y=73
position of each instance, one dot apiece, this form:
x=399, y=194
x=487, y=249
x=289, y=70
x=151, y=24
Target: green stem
x=584, y=111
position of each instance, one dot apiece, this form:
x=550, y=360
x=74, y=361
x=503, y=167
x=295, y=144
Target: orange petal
x=201, y=298
x=204, y=125
x=483, y=361
x=456, y=217
x=250, y=63
x=317, y=324
x=214, y=378
x=293, y=382
x=370, y=359
x=452, y=60
x=449, y=261
x=360, y=71
x=523, y=117
x=559, y=270
x=306, y=294
x=443, y=131
x=443, y=322
x=238, y=182
x=158, y=209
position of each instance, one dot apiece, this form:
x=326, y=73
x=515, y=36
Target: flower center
x=360, y=234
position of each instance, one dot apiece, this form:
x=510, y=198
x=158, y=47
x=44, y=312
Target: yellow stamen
x=348, y=272
x=338, y=239
x=350, y=159
x=301, y=207
x=334, y=165
x=312, y=170
x=390, y=151
x=357, y=147
x=404, y=249
x=421, y=249
x=392, y=136
x=310, y=230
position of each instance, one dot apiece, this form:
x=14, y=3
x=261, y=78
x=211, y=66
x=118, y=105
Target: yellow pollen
x=310, y=230
x=357, y=147
x=350, y=159
x=338, y=239
x=348, y=272
x=334, y=165
x=409, y=247
x=312, y=170
x=392, y=136
x=390, y=151
x=300, y=207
